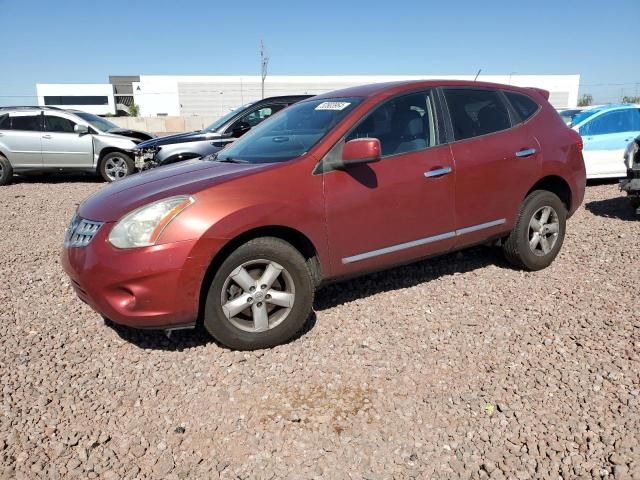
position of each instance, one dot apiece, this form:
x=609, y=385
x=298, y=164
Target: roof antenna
x=477, y=75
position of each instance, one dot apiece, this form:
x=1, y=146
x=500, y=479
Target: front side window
x=4, y=122
x=30, y=123
x=476, y=112
x=522, y=104
x=215, y=126
x=257, y=116
x=403, y=124
x=291, y=134
x=613, y=122
x=58, y=124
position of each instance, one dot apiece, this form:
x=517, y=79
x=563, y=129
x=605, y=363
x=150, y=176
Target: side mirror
x=361, y=150
x=81, y=129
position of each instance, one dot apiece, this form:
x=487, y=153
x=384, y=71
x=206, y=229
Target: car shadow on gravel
x=409, y=275
x=619, y=208
x=332, y=295
x=180, y=340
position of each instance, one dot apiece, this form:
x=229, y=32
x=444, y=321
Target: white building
x=182, y=95
x=95, y=98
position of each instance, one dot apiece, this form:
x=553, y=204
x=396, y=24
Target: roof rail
x=30, y=107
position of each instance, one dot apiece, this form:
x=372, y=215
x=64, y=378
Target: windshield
x=289, y=133
x=582, y=116
x=225, y=118
x=96, y=121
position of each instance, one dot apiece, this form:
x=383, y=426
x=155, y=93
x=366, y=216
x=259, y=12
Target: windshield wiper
x=230, y=160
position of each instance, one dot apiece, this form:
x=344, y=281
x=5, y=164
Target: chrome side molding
x=423, y=241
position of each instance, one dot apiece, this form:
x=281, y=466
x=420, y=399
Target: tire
x=6, y=171
x=247, y=329
x=635, y=202
x=115, y=166
x=533, y=246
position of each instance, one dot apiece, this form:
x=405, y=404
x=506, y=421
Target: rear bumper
x=152, y=287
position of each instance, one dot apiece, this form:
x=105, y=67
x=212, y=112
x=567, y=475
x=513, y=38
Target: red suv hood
x=115, y=200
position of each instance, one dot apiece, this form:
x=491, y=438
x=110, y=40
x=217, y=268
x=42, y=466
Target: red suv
x=341, y=184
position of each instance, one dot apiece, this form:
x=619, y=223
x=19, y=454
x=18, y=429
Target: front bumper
x=151, y=287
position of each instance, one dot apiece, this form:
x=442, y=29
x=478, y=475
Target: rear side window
x=476, y=112
x=27, y=122
x=522, y=104
x=4, y=122
x=58, y=124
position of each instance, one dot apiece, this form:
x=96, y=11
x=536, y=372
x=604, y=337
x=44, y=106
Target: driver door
x=62, y=146
x=399, y=208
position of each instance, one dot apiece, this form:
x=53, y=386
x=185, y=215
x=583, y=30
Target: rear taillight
x=577, y=139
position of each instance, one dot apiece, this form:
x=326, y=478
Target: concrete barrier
x=163, y=125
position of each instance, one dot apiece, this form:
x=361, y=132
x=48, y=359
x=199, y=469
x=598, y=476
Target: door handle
x=438, y=172
x=46, y=136
x=526, y=152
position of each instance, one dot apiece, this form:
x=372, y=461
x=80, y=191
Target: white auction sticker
x=333, y=106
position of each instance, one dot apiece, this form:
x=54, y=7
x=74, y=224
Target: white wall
x=215, y=95
x=79, y=89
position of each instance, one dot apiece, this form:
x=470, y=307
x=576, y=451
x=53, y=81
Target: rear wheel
x=115, y=166
x=6, y=171
x=261, y=295
x=537, y=237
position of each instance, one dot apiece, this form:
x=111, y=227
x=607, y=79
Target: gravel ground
x=458, y=367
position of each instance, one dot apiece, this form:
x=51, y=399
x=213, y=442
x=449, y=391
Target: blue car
x=606, y=131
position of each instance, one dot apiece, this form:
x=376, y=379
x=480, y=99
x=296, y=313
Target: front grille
x=81, y=232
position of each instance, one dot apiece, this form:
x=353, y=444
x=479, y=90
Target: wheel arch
x=297, y=239
x=557, y=185
x=107, y=150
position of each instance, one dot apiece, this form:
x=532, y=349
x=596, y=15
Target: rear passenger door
x=62, y=146
x=20, y=135
x=495, y=157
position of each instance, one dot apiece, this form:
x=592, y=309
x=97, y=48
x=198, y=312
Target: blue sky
x=69, y=41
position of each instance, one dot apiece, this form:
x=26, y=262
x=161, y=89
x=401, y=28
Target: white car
x=606, y=131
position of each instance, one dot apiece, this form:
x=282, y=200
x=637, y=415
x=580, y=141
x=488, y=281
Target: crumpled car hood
x=185, y=178
x=179, y=138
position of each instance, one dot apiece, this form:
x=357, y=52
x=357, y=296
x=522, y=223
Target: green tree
x=585, y=100
x=629, y=99
x=134, y=110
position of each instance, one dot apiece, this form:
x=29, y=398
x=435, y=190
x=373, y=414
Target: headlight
x=143, y=227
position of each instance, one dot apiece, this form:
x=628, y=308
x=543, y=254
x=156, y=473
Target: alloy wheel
x=116, y=168
x=258, y=295
x=544, y=228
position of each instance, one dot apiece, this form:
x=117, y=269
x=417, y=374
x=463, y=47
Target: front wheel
x=115, y=166
x=538, y=234
x=260, y=297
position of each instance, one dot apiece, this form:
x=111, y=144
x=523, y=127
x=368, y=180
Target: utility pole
x=264, y=64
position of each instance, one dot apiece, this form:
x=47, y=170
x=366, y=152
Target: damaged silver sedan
x=48, y=139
